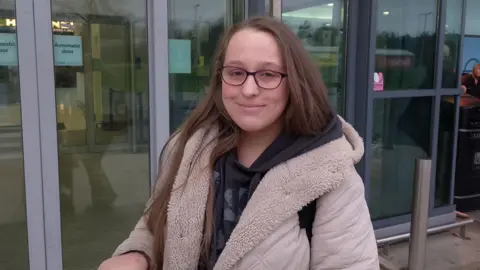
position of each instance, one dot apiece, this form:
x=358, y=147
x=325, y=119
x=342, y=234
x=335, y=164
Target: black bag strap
x=306, y=217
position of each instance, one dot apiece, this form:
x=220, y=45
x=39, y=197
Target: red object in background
x=465, y=100
x=385, y=61
x=468, y=100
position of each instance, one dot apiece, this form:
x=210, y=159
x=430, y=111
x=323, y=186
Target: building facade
x=91, y=90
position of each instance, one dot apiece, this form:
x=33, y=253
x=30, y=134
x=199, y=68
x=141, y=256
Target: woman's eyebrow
x=260, y=65
x=234, y=62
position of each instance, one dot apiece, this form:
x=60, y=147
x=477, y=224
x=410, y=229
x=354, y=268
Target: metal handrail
x=401, y=237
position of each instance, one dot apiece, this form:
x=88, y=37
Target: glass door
x=13, y=225
x=102, y=111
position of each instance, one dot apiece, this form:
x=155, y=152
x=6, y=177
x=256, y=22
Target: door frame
x=32, y=141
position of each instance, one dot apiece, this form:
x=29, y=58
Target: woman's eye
x=236, y=73
x=268, y=74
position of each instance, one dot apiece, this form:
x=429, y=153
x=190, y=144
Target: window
x=472, y=20
x=193, y=32
x=451, y=48
x=101, y=89
x=397, y=141
x=321, y=28
x=406, y=34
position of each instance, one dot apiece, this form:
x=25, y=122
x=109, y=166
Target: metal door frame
x=32, y=156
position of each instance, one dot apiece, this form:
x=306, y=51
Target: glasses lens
x=268, y=79
x=234, y=76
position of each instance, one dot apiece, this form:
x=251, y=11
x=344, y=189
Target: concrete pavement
x=445, y=251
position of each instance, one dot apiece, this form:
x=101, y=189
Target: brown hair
x=307, y=113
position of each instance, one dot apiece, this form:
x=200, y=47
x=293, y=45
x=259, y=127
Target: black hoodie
x=234, y=183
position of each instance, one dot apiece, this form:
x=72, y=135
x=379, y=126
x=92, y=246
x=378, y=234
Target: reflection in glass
x=406, y=34
x=451, y=48
x=13, y=226
x=321, y=28
x=445, y=151
x=101, y=87
x=193, y=31
x=471, y=41
x=471, y=17
x=396, y=142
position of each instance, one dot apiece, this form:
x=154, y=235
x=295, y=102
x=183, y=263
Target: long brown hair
x=307, y=113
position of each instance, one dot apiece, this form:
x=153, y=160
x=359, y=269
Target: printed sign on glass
x=377, y=81
x=8, y=49
x=67, y=50
x=179, y=56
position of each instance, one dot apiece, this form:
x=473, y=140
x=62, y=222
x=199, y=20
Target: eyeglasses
x=266, y=79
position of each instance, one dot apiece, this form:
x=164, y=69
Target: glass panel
x=472, y=20
x=471, y=42
x=406, y=34
x=194, y=30
x=258, y=7
x=396, y=142
x=101, y=87
x=321, y=28
x=445, y=151
x=451, y=48
x=13, y=225
x=471, y=55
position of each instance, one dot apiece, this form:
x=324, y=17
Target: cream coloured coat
x=268, y=235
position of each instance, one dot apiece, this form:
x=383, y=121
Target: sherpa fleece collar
x=283, y=191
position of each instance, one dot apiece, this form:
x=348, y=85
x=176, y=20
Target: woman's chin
x=251, y=126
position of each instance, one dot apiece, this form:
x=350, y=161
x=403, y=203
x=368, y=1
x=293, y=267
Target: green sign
x=8, y=49
x=179, y=56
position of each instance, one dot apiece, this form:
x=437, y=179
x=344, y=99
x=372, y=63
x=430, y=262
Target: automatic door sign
x=68, y=50
x=8, y=49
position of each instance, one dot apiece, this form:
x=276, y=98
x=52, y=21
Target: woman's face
x=476, y=72
x=252, y=107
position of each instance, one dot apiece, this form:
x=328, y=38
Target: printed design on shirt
x=216, y=177
x=228, y=213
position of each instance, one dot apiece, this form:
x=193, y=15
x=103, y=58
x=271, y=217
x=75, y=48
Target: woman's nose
x=250, y=87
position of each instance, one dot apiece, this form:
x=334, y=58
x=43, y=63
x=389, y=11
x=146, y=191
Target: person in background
x=470, y=84
x=261, y=175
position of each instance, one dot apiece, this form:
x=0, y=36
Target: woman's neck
x=252, y=144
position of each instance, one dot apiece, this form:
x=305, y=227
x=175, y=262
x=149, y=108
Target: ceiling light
x=330, y=4
x=386, y=13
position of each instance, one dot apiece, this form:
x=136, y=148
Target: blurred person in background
x=470, y=84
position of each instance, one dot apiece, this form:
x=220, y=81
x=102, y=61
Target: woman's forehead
x=253, y=48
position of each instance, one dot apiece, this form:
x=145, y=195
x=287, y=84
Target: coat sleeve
x=343, y=236
x=140, y=238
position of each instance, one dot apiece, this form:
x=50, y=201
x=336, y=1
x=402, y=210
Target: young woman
x=470, y=84
x=238, y=177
